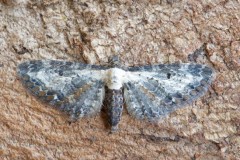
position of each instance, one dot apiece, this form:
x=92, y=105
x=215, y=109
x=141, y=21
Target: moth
x=150, y=92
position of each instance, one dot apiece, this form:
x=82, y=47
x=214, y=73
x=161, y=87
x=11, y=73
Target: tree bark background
x=140, y=32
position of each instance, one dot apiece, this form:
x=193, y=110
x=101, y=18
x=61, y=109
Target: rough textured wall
x=141, y=32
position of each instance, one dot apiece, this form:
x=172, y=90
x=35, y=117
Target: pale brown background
x=140, y=32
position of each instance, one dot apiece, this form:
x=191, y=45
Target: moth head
x=114, y=61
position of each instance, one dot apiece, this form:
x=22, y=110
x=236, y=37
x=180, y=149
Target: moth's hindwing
x=153, y=92
x=75, y=88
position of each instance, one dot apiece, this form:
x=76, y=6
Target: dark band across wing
x=75, y=88
x=153, y=92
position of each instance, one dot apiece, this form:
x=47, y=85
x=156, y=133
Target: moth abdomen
x=114, y=99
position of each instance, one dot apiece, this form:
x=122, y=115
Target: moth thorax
x=115, y=78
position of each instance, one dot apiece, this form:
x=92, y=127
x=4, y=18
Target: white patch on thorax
x=115, y=78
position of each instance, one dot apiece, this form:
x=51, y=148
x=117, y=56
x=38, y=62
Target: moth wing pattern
x=152, y=92
x=72, y=87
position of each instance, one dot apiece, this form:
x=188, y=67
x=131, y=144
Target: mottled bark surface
x=140, y=32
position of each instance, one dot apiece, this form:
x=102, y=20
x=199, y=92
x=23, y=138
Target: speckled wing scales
x=153, y=92
x=74, y=88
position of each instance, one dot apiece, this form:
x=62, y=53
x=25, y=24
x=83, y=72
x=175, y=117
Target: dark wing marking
x=75, y=88
x=153, y=92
